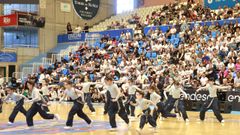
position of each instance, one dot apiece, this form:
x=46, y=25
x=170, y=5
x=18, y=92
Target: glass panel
x=33, y=8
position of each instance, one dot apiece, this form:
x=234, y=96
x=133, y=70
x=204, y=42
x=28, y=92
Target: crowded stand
x=177, y=48
x=155, y=57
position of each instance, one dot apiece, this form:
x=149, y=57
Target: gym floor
x=100, y=125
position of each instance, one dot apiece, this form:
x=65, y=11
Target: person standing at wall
x=69, y=28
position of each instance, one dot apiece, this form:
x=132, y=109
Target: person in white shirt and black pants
x=78, y=103
x=19, y=99
x=115, y=103
x=37, y=103
x=131, y=98
x=144, y=105
x=175, y=96
x=87, y=95
x=156, y=99
x=212, y=101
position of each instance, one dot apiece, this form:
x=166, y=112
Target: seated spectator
x=134, y=19
x=237, y=82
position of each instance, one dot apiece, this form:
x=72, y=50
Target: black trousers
x=1, y=103
x=18, y=108
x=161, y=111
x=131, y=98
x=34, y=109
x=211, y=103
x=117, y=108
x=147, y=118
x=180, y=107
x=77, y=109
x=46, y=98
x=169, y=104
x=88, y=99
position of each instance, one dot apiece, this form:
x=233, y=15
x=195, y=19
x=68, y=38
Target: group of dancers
x=149, y=101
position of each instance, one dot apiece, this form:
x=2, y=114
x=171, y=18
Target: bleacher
x=141, y=12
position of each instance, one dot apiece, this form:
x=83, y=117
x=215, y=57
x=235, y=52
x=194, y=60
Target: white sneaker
x=31, y=127
x=93, y=113
x=90, y=125
x=67, y=127
x=56, y=116
x=113, y=129
x=187, y=120
x=200, y=121
x=223, y=121
x=178, y=117
x=10, y=123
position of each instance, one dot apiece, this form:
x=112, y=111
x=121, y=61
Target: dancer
x=78, y=103
x=175, y=96
x=144, y=105
x=87, y=95
x=131, y=97
x=45, y=93
x=2, y=95
x=19, y=99
x=114, y=102
x=212, y=101
x=37, y=103
x=156, y=99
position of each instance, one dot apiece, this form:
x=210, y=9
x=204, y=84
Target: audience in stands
x=191, y=53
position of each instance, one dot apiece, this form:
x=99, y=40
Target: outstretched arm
x=201, y=88
x=223, y=87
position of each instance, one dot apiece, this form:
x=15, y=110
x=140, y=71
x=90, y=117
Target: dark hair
x=109, y=78
x=140, y=92
x=46, y=80
x=152, y=87
x=10, y=88
x=31, y=83
x=68, y=82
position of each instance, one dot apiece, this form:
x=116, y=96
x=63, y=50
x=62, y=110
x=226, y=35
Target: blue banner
x=64, y=38
x=215, y=4
x=110, y=33
x=8, y=57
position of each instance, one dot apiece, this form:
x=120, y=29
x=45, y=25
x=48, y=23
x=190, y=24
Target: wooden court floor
x=170, y=126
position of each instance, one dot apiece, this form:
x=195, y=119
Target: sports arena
x=123, y=67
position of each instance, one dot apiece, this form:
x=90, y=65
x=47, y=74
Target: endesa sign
x=8, y=20
x=232, y=97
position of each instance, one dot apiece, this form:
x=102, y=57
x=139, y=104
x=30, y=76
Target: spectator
x=69, y=28
x=1, y=80
x=78, y=29
x=86, y=28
